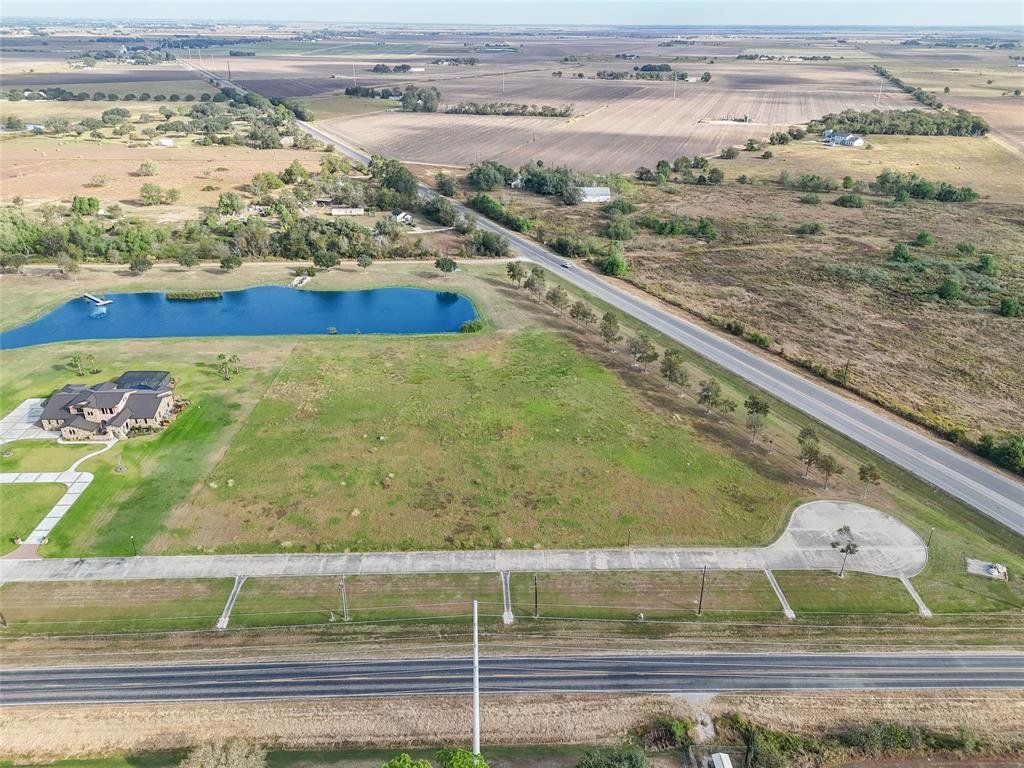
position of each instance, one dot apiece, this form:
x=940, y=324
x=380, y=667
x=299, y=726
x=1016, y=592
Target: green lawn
x=112, y=606
x=162, y=469
x=340, y=105
x=42, y=455
x=22, y=506
x=299, y=600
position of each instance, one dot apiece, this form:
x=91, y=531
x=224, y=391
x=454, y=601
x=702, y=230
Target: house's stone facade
x=135, y=400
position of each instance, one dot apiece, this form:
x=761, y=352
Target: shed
x=595, y=194
x=402, y=217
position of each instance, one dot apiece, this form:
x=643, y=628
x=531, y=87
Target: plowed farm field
x=618, y=125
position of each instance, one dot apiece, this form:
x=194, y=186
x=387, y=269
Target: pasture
x=836, y=295
x=41, y=169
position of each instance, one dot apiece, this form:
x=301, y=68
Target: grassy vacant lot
x=340, y=105
x=41, y=455
x=625, y=595
x=837, y=296
x=98, y=606
x=437, y=597
x=468, y=442
x=24, y=505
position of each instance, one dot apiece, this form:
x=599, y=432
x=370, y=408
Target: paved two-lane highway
x=512, y=675
x=974, y=482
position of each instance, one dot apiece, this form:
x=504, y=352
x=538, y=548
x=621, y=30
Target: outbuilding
x=595, y=194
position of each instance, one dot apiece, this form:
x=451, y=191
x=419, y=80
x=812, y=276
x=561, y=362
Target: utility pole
x=476, y=681
x=228, y=62
x=700, y=602
x=354, y=83
x=929, y=544
x=675, y=82
x=134, y=550
x=536, y=603
x=344, y=601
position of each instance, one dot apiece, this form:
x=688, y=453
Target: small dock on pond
x=97, y=301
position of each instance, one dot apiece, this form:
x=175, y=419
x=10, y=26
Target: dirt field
x=41, y=733
x=618, y=124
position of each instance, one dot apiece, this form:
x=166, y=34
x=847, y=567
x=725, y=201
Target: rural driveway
x=886, y=548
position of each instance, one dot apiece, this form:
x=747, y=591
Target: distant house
x=164, y=142
x=135, y=400
x=595, y=194
x=837, y=139
x=348, y=211
x=517, y=182
x=417, y=69
x=402, y=217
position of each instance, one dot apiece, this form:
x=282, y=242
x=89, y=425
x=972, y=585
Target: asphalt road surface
x=557, y=674
x=972, y=481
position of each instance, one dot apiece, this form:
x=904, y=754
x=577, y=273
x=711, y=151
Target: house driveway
x=19, y=424
x=887, y=547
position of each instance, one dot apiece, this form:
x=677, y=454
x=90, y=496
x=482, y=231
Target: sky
x=915, y=13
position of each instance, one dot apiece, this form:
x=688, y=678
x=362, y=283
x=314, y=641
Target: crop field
x=618, y=124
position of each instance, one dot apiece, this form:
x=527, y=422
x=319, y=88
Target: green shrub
x=924, y=238
x=1010, y=306
x=471, y=326
x=810, y=199
x=810, y=228
x=851, y=200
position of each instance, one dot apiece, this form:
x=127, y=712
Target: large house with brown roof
x=135, y=400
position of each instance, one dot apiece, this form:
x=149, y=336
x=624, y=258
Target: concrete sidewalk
x=887, y=548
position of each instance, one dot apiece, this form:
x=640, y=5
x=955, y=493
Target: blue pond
x=264, y=311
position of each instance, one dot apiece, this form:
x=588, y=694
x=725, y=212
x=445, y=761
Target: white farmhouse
x=836, y=139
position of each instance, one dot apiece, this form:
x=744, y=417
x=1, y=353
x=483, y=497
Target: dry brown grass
x=995, y=715
x=80, y=731
x=833, y=297
x=47, y=170
x=40, y=733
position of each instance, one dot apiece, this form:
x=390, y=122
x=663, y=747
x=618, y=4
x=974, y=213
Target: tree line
x=904, y=122
x=509, y=109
